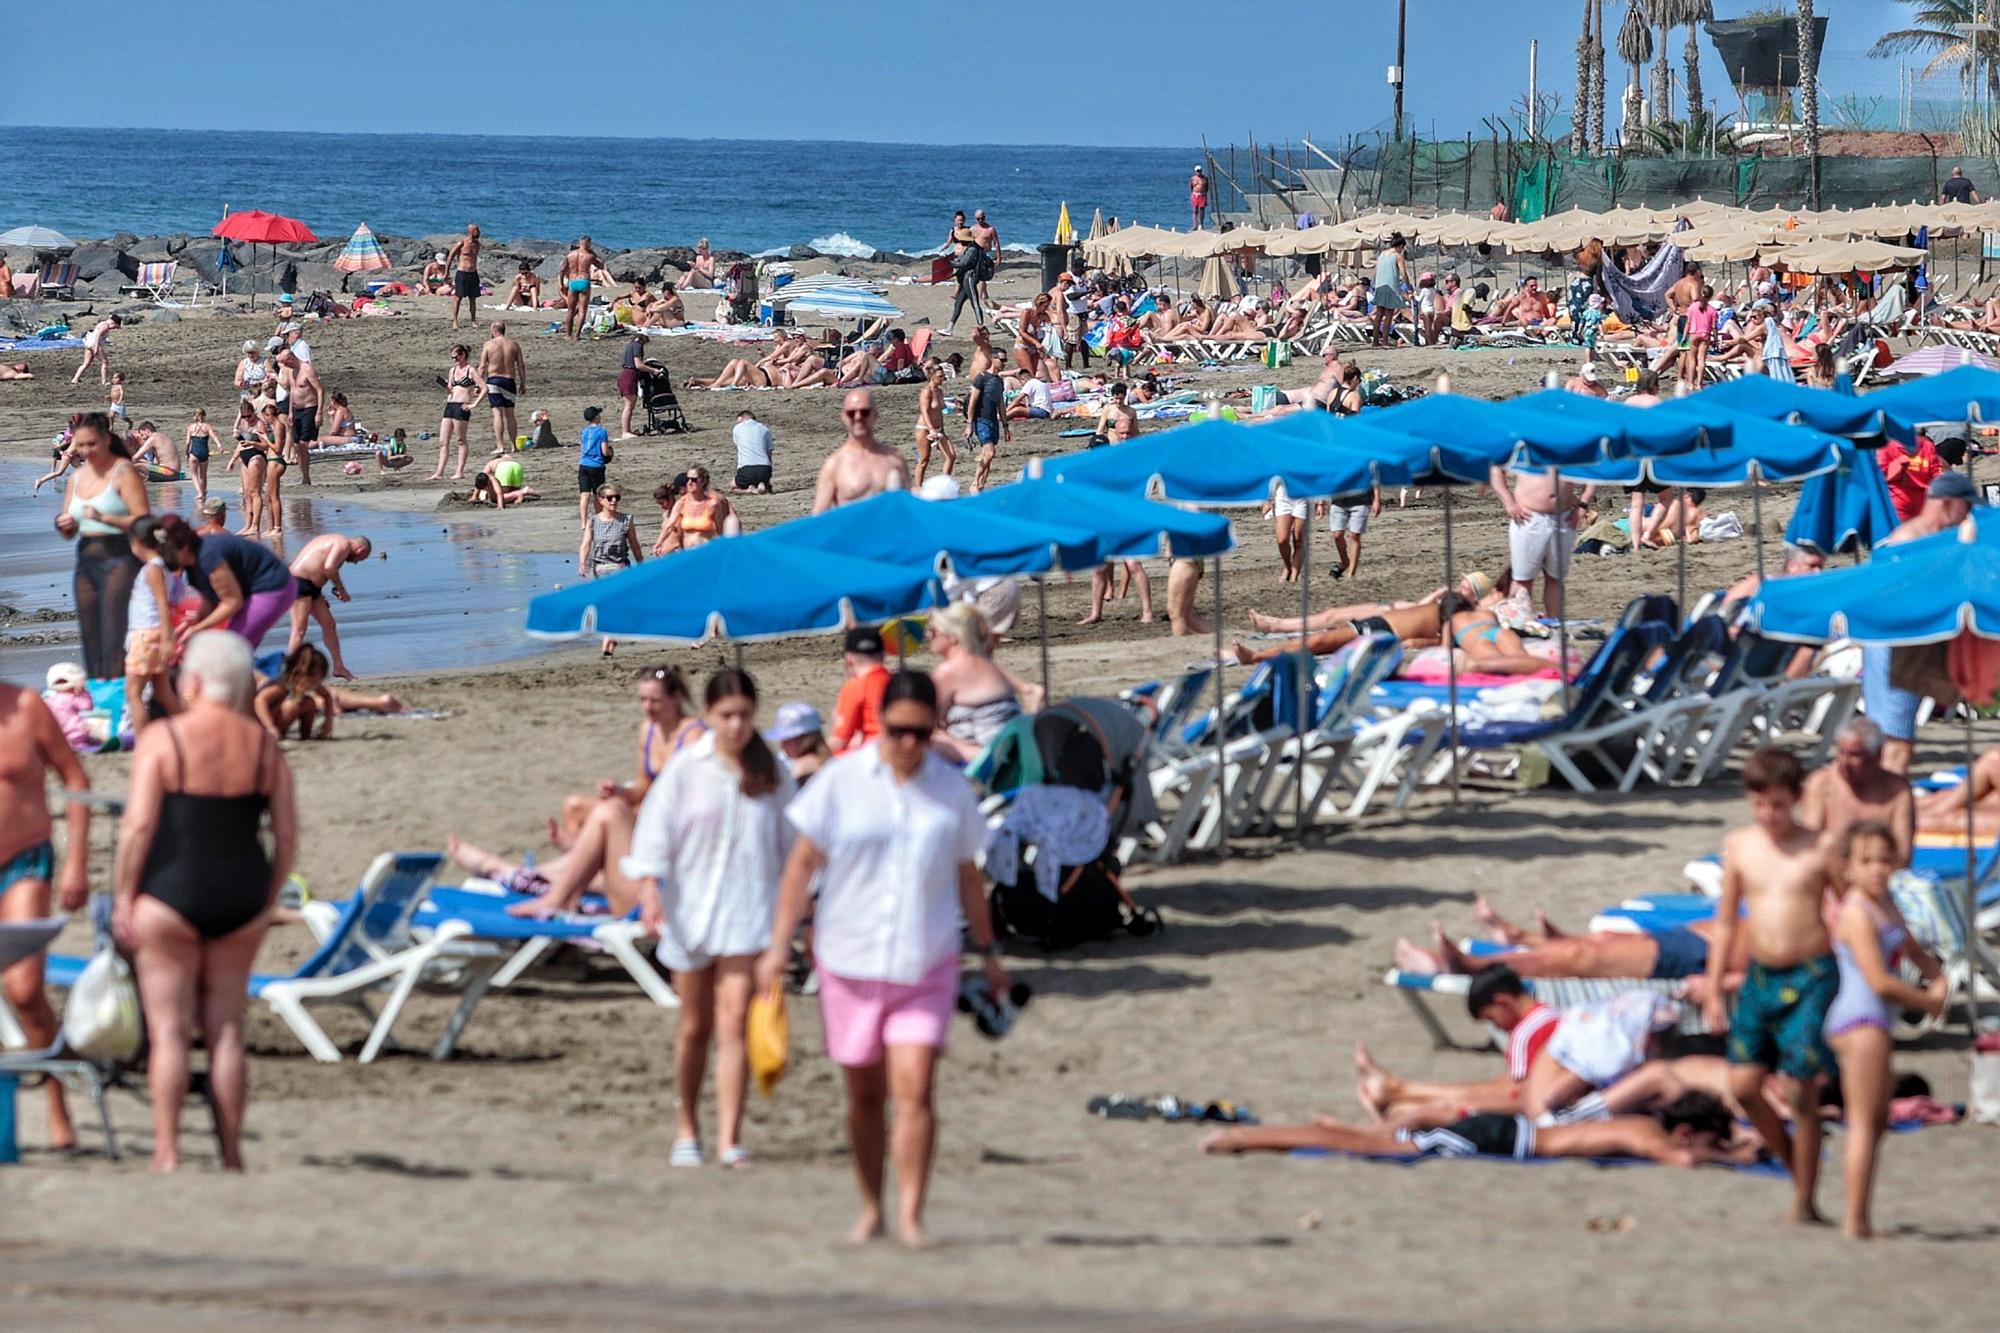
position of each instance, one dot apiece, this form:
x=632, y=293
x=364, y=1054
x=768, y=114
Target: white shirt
x=1038, y=396
x=753, y=443
x=717, y=853
x=302, y=350
x=888, y=901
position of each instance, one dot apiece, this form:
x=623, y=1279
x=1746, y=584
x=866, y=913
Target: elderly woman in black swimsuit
x=195, y=882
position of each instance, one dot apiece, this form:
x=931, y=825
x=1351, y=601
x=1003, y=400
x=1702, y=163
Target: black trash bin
x=1055, y=263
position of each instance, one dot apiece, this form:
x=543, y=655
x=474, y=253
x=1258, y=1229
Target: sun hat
x=1589, y=371
x=1951, y=486
x=1481, y=583
x=793, y=720
x=66, y=676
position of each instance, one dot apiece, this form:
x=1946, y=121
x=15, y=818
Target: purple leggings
x=263, y=610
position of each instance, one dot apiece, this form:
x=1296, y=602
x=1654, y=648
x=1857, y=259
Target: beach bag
x=1263, y=397
x=1277, y=353
x=101, y=1021
x=968, y=259
x=767, y=1039
x=1091, y=905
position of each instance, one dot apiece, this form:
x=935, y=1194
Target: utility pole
x=1534, y=118
x=1396, y=70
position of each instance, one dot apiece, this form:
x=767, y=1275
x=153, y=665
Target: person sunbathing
x=1415, y=626
x=1475, y=585
x=1238, y=327
x=526, y=291
x=1943, y=811
x=558, y=884
x=1662, y=526
x=16, y=370
x=1691, y=1130
x=1546, y=951
x=1483, y=643
x=1200, y=319
x=738, y=373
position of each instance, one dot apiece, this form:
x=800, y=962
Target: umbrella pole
x=1303, y=701
x=1971, y=884
x=739, y=654
x=1757, y=518
x=1562, y=620
x=1680, y=562
x=1451, y=655
x=1042, y=606
x=1221, y=785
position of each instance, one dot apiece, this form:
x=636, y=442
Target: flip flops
x=686, y=1152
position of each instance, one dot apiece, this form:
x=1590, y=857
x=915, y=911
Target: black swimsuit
x=207, y=861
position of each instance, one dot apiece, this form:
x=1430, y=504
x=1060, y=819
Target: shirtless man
x=930, y=422
x=1116, y=421
x=860, y=467
x=984, y=358
x=505, y=371
x=1540, y=537
x=152, y=445
x=464, y=259
x=988, y=238
x=316, y=572
x=1779, y=867
x=30, y=745
x=1855, y=786
x=303, y=396
x=1197, y=199
x=575, y=276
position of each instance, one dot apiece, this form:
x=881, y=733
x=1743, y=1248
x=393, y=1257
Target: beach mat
x=38, y=344
x=1755, y=1169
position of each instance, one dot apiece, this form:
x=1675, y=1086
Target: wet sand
x=525, y=1182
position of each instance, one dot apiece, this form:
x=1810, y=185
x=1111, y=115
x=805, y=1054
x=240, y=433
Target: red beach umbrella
x=256, y=227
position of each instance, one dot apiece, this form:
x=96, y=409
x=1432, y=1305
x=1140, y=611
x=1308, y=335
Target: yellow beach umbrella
x=1065, y=233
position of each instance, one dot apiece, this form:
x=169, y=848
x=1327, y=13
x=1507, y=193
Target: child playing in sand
x=1868, y=931
x=1777, y=867
x=149, y=625
x=62, y=459
x=115, y=395
x=395, y=455
x=297, y=697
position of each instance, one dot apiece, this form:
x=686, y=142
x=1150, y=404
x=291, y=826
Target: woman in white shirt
x=710, y=843
x=892, y=829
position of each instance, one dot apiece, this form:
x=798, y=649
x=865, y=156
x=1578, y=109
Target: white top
x=302, y=350
x=753, y=443
x=1038, y=395
x=143, y=612
x=717, y=853
x=888, y=901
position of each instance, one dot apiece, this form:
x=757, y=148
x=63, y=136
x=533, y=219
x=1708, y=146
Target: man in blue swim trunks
x=577, y=267
x=30, y=745
x=1777, y=868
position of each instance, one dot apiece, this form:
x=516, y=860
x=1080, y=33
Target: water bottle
x=992, y=1014
x=10, y=1146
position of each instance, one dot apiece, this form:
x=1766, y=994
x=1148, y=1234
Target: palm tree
x=1692, y=13
x=1596, y=108
x=1661, y=13
x=1580, y=131
x=1809, y=92
x=1940, y=34
x=1635, y=48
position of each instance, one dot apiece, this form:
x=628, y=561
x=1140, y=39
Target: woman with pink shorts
x=244, y=586
x=893, y=830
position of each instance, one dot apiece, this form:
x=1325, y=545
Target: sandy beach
x=525, y=1184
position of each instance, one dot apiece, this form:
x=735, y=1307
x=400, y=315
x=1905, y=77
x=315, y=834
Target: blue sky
x=1160, y=72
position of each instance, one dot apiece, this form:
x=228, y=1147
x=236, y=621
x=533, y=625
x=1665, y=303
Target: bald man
x=860, y=467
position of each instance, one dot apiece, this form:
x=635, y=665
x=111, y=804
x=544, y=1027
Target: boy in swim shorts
x=1777, y=868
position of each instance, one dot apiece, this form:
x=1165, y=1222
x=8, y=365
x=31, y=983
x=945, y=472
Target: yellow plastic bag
x=768, y=1036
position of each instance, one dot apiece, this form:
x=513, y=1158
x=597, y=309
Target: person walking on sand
x=464, y=260
x=1197, y=199
x=966, y=261
x=577, y=268
x=860, y=467
x=316, y=571
x=32, y=744
x=194, y=883
x=505, y=372
x=709, y=845
x=987, y=236
x=97, y=349
x=303, y=395
x=1540, y=537
x=890, y=833
x=930, y=422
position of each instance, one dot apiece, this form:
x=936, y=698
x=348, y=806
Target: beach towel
x=1642, y=295
x=39, y=344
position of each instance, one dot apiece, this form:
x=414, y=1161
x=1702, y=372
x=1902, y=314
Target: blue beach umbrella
x=1500, y=433
x=735, y=587
x=1125, y=526
x=1822, y=409
x=1844, y=510
x=1223, y=463
x=899, y=528
x=843, y=303
x=1956, y=395
x=1924, y=591
x=1755, y=450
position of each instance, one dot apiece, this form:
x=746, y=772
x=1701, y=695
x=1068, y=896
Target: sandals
x=686, y=1153
x=734, y=1157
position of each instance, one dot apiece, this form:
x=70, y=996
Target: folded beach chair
x=155, y=281
x=58, y=280
x=1418, y=989
x=1176, y=772
x=479, y=915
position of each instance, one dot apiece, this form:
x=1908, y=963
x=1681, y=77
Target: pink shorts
x=863, y=1018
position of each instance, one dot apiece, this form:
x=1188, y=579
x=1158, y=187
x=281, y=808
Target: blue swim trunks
x=1682, y=953
x=36, y=862
x=1781, y=1016
x=985, y=431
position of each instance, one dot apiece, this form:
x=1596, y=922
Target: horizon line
x=633, y=138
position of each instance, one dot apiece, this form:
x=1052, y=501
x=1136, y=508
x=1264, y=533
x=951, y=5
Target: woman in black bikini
x=195, y=883
x=251, y=444
x=461, y=385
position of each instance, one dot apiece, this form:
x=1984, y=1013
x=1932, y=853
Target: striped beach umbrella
x=362, y=253
x=841, y=303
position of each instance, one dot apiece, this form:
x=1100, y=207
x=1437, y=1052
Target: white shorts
x=1347, y=518
x=1282, y=506
x=1537, y=545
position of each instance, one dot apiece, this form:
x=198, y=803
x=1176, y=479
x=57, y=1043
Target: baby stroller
x=1067, y=790
x=663, y=407
x=739, y=289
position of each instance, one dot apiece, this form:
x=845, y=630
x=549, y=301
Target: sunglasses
x=613, y=496
x=859, y=413
x=907, y=733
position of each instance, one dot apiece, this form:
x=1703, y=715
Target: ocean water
x=741, y=194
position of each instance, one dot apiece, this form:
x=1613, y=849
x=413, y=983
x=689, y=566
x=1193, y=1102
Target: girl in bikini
x=277, y=432
x=461, y=391
x=297, y=697
x=251, y=443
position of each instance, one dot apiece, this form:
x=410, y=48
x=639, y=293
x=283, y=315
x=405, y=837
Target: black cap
x=864, y=639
